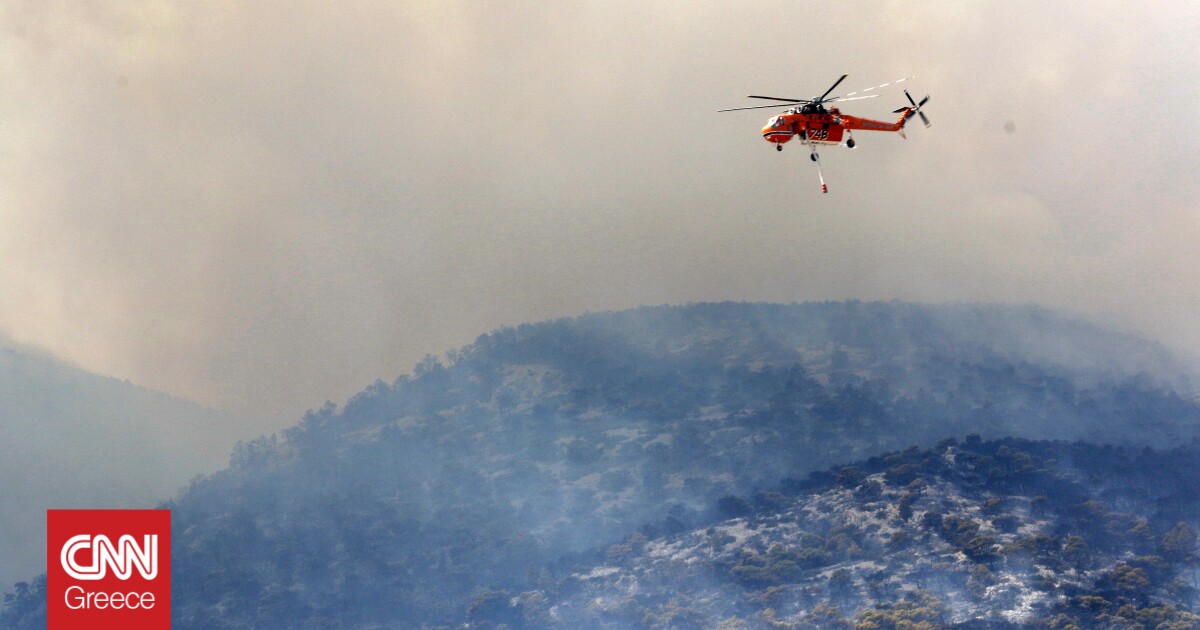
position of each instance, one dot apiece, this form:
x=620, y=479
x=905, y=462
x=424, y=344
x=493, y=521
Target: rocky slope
x=975, y=534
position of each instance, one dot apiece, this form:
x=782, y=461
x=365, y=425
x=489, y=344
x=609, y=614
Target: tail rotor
x=915, y=109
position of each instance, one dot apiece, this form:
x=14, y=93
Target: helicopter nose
x=776, y=135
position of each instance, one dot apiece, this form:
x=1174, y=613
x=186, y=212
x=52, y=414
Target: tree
x=841, y=585
x=1076, y=551
x=904, y=507
x=1128, y=579
x=730, y=506
x=494, y=607
x=981, y=549
x=979, y=580
x=920, y=611
x=1179, y=544
x=25, y=608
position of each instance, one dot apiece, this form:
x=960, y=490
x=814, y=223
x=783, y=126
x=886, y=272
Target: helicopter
x=813, y=123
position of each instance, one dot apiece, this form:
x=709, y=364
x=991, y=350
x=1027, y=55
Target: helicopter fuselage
x=821, y=127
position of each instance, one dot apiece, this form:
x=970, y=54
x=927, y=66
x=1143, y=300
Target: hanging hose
x=816, y=158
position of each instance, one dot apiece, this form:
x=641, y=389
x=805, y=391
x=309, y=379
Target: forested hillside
x=971, y=534
x=505, y=465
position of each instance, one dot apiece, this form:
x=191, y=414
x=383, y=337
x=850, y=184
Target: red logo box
x=108, y=569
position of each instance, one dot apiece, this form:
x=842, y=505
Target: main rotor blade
x=882, y=85
x=832, y=87
x=786, y=100
x=735, y=109
x=843, y=99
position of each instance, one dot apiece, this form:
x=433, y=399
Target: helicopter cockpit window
x=777, y=121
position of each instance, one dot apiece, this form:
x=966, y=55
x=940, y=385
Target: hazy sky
x=264, y=205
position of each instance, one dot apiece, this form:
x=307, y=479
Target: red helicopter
x=811, y=122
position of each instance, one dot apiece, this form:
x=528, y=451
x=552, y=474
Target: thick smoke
x=263, y=209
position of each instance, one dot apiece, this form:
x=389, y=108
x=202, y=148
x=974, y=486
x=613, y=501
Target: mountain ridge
x=81, y=440
x=544, y=440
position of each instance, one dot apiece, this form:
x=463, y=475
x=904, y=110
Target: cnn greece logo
x=123, y=557
x=108, y=569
